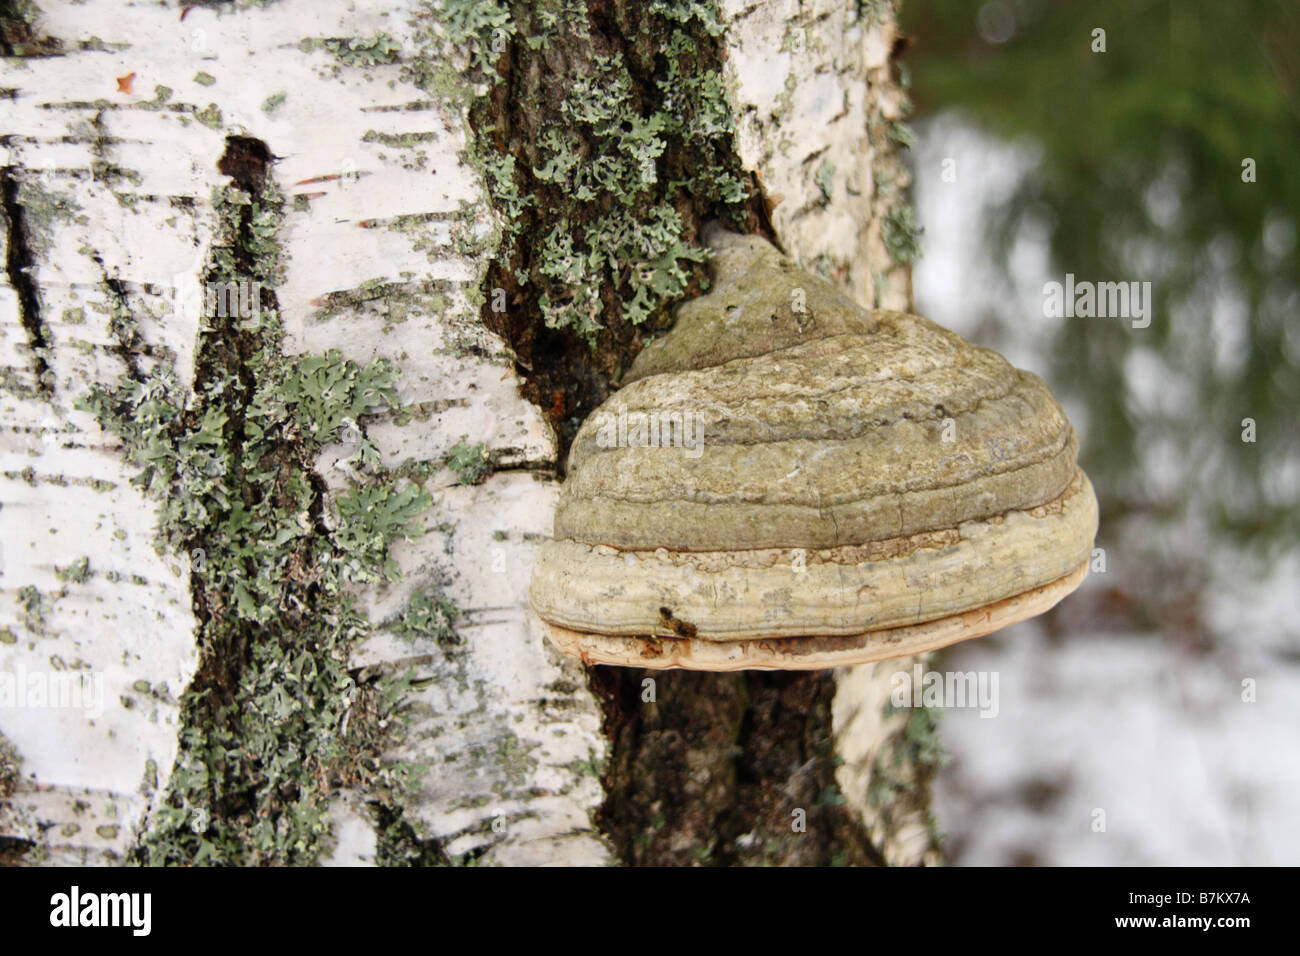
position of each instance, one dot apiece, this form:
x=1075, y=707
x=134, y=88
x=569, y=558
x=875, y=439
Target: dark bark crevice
x=19, y=33
x=19, y=262
x=14, y=850
x=223, y=354
x=725, y=769
x=126, y=338
x=398, y=843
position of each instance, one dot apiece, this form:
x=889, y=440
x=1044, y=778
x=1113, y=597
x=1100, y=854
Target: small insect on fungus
x=789, y=481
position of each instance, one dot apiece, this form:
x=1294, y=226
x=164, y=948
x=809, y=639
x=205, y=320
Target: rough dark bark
x=715, y=769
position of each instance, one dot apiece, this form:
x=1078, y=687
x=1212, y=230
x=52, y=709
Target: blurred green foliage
x=1141, y=178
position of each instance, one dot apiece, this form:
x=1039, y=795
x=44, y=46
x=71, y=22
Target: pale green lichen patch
x=888, y=130
x=411, y=156
x=825, y=178
x=161, y=95
x=43, y=209
x=915, y=749
x=902, y=235
x=10, y=767
x=34, y=608
x=398, y=139
x=901, y=133
x=77, y=573
x=470, y=463
x=359, y=52
x=429, y=616
x=209, y=116
x=389, y=302
x=98, y=45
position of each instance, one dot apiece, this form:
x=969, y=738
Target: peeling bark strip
x=604, y=121
x=18, y=262
x=272, y=720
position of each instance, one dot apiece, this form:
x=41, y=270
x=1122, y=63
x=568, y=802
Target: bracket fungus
x=789, y=481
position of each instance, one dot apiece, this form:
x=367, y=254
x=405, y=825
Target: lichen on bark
x=273, y=721
x=604, y=139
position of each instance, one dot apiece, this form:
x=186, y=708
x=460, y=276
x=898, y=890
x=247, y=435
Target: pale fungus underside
x=807, y=484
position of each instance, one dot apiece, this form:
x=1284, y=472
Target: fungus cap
x=789, y=481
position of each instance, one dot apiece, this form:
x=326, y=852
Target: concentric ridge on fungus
x=859, y=485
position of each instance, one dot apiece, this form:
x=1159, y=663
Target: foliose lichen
x=273, y=721
x=605, y=154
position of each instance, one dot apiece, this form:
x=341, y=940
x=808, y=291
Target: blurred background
x=1166, y=692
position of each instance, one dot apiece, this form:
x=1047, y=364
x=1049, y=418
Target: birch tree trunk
x=284, y=421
